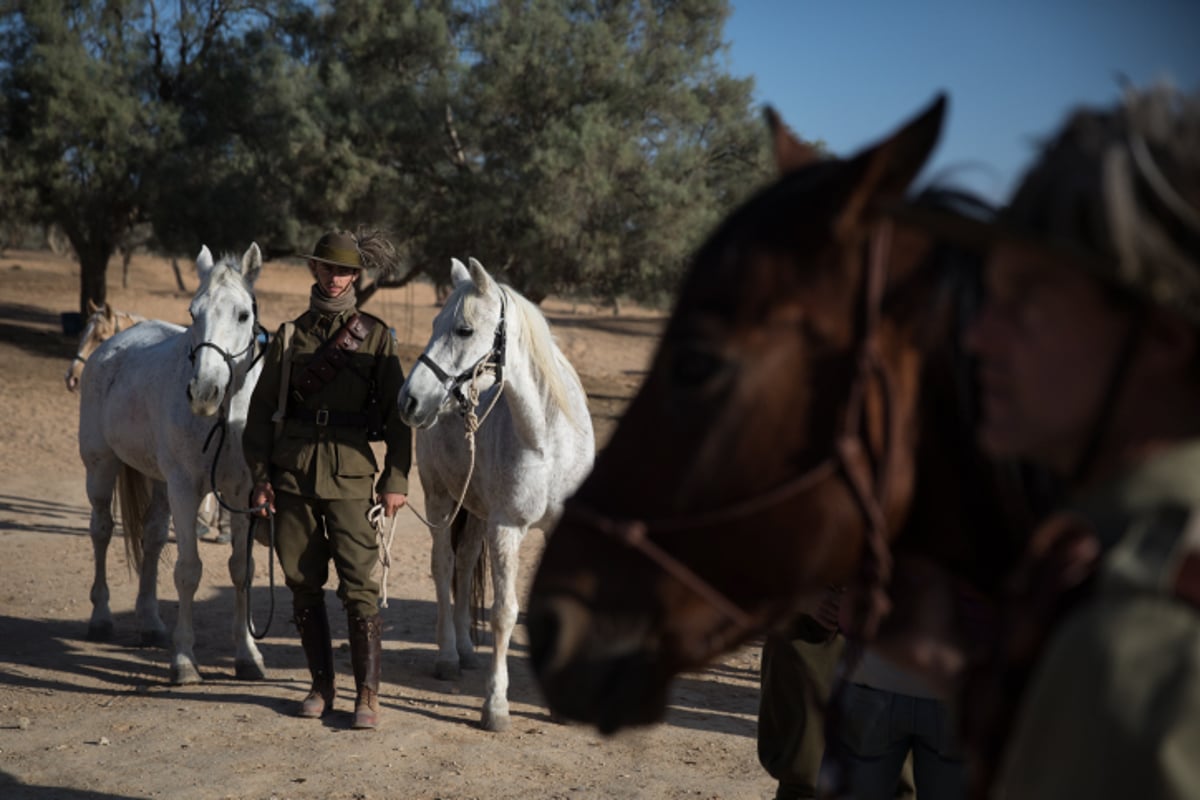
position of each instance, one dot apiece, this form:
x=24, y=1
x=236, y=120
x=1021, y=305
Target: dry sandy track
x=84, y=720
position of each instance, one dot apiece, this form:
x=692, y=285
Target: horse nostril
x=410, y=406
x=189, y=391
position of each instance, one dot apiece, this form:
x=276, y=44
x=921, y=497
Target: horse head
x=466, y=348
x=102, y=324
x=770, y=452
x=223, y=335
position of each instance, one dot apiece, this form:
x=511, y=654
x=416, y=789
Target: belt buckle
x=322, y=416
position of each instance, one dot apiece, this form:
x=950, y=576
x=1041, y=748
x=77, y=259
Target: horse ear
x=790, y=153
x=458, y=273
x=483, y=281
x=251, y=263
x=885, y=170
x=204, y=261
x=108, y=311
x=92, y=308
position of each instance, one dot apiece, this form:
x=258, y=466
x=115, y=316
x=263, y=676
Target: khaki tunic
x=324, y=475
x=1113, y=708
x=329, y=462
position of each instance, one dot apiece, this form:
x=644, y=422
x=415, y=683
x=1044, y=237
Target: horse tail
x=133, y=491
x=478, y=578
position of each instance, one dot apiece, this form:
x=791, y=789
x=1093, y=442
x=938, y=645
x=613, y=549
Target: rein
x=848, y=461
x=221, y=425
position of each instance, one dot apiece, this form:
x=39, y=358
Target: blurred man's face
x=1047, y=340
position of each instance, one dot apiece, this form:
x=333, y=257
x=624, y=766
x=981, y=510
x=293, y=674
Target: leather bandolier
x=326, y=364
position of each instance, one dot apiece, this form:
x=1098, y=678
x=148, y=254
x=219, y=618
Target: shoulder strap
x=333, y=355
x=285, y=377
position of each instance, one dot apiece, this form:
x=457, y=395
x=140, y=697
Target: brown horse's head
x=770, y=452
x=103, y=323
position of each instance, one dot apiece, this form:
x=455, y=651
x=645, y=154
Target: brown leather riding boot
x=313, y=624
x=366, y=653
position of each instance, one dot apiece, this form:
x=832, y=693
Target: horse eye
x=693, y=367
x=464, y=331
x=242, y=317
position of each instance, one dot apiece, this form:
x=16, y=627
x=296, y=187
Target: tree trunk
x=178, y=276
x=93, y=283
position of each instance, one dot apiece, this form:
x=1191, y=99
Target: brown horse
x=807, y=411
x=103, y=324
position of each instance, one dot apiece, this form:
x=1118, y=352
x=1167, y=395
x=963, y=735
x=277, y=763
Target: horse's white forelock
x=227, y=270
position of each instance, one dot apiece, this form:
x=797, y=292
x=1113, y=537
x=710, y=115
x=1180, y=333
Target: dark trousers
x=310, y=532
x=797, y=674
x=882, y=730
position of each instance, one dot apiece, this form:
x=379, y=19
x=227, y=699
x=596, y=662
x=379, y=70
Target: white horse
x=149, y=399
x=533, y=446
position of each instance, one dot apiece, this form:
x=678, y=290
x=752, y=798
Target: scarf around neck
x=319, y=301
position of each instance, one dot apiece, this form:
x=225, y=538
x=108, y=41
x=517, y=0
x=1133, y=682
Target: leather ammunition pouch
x=333, y=356
x=327, y=362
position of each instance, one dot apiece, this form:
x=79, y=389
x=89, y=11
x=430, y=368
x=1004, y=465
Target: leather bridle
x=493, y=360
x=849, y=461
x=230, y=359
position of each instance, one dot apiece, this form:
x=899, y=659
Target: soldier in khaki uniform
x=328, y=385
x=1089, y=349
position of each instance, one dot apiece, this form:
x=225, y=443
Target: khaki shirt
x=1113, y=708
x=327, y=461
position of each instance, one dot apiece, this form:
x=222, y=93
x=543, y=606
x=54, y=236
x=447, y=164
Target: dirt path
x=84, y=720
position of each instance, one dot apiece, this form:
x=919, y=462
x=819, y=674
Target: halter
x=454, y=383
x=230, y=358
x=849, y=461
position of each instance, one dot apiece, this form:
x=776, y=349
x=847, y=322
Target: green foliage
x=604, y=142
x=576, y=146
x=97, y=100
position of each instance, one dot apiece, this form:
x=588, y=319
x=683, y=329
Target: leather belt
x=323, y=417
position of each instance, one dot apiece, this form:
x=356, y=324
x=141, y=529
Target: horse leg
x=504, y=547
x=442, y=565
x=467, y=554
x=154, y=537
x=101, y=482
x=188, y=570
x=248, y=664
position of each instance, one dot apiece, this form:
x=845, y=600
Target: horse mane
x=548, y=365
x=767, y=217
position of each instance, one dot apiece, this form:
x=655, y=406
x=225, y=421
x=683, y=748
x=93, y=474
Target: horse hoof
x=185, y=675
x=100, y=632
x=248, y=671
x=160, y=639
x=468, y=661
x=496, y=723
x=447, y=671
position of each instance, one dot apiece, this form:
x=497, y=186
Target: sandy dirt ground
x=85, y=720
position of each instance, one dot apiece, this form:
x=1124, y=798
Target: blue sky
x=848, y=71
